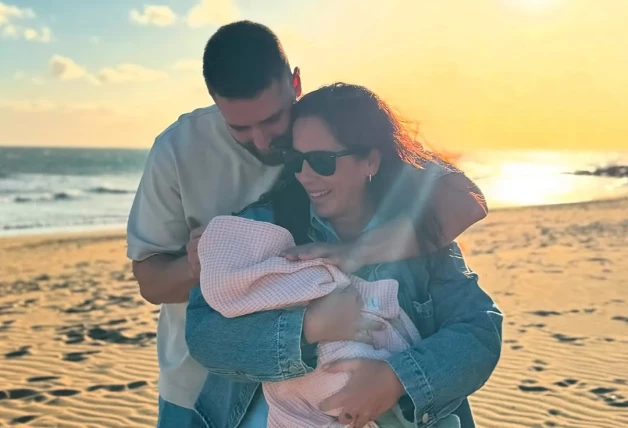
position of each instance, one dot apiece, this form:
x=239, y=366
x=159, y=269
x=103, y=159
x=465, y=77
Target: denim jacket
x=459, y=324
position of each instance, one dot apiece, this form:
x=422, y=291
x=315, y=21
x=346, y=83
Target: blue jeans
x=173, y=416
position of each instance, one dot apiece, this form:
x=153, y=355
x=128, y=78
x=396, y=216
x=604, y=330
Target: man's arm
x=455, y=201
x=458, y=203
x=157, y=232
x=164, y=278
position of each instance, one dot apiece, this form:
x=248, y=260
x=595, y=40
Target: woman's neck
x=349, y=226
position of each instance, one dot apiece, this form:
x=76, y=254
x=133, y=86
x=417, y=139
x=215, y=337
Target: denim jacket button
x=426, y=418
x=294, y=368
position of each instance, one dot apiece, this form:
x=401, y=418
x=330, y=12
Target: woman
x=355, y=162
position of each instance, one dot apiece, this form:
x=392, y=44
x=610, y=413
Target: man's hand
x=346, y=257
x=337, y=316
x=192, y=250
x=372, y=390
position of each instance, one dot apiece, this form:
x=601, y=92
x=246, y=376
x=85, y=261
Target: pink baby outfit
x=242, y=273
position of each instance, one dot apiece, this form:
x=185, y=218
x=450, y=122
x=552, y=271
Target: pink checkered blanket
x=242, y=273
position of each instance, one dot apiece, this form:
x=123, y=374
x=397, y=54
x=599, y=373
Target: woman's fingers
x=364, y=336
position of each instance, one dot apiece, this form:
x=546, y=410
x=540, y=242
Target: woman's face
x=339, y=194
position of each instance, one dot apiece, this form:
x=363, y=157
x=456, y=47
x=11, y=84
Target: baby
x=242, y=273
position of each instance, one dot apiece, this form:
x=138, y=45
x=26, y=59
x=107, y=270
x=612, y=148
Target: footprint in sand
x=19, y=353
x=76, y=357
x=565, y=383
x=620, y=318
x=137, y=384
x=16, y=394
x=568, y=339
x=23, y=419
x=534, y=326
x=64, y=392
x=533, y=388
x=545, y=313
x=110, y=388
x=610, y=397
x=42, y=378
x=6, y=325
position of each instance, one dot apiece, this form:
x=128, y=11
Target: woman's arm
x=460, y=356
x=272, y=346
x=261, y=347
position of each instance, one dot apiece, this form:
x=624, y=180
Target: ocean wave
x=58, y=196
x=110, y=190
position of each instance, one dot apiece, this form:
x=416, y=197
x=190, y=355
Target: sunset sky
x=474, y=74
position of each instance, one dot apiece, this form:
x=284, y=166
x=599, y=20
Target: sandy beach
x=77, y=342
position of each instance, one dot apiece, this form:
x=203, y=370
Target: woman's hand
x=338, y=316
x=346, y=257
x=372, y=390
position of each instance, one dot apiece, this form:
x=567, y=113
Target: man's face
x=261, y=124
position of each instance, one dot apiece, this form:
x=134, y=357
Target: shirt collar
x=323, y=227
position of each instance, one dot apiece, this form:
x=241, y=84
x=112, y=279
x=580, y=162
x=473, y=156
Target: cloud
x=217, y=12
x=35, y=80
x=161, y=16
x=11, y=31
x=195, y=65
x=130, y=73
x=44, y=35
x=65, y=68
x=8, y=15
x=8, y=12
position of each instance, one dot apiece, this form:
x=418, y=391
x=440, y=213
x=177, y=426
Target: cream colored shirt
x=194, y=172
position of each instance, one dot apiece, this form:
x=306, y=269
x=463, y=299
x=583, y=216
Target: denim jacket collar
x=323, y=231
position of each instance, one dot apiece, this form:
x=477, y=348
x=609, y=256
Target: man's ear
x=296, y=82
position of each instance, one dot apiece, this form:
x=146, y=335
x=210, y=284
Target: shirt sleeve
x=156, y=222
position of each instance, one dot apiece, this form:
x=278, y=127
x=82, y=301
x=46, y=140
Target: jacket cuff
x=295, y=357
x=417, y=387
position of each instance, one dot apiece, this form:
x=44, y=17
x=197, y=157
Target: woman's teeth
x=316, y=195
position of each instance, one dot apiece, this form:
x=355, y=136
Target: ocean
x=61, y=189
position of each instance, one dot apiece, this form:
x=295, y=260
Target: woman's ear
x=374, y=159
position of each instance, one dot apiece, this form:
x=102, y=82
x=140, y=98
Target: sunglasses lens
x=322, y=163
x=293, y=161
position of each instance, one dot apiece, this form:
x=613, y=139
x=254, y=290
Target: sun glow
x=533, y=5
x=528, y=184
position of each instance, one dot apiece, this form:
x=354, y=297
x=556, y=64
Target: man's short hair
x=242, y=59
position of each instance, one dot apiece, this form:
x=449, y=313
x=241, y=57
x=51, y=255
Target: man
x=216, y=160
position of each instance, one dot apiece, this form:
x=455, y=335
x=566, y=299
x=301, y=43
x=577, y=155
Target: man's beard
x=271, y=157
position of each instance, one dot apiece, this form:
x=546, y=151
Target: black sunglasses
x=322, y=162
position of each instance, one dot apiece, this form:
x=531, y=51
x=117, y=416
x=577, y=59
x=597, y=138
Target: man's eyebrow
x=270, y=118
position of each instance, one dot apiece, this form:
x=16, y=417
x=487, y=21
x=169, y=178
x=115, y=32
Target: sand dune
x=77, y=345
